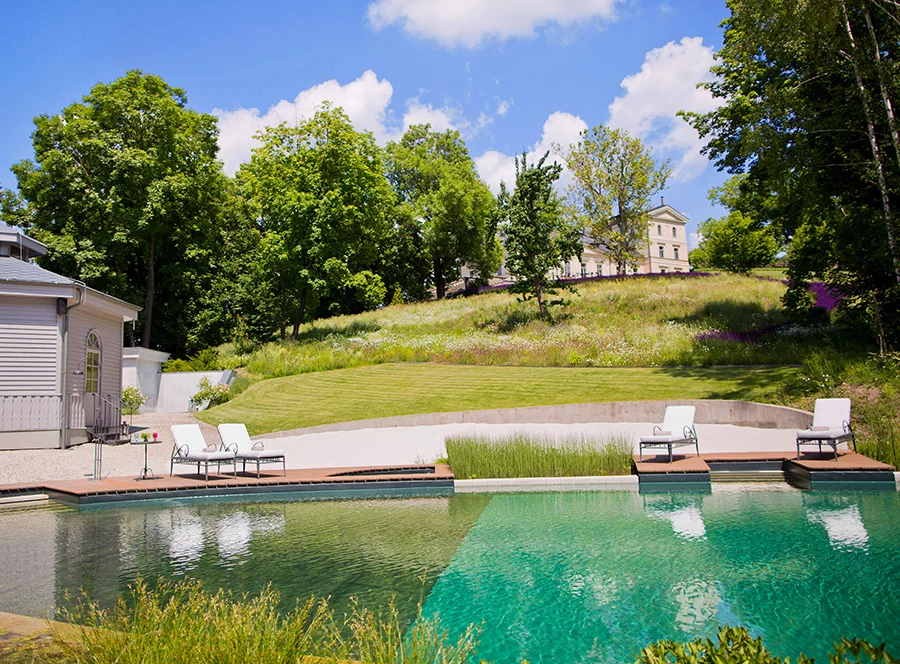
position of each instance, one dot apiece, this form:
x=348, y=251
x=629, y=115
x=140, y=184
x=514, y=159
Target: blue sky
x=512, y=75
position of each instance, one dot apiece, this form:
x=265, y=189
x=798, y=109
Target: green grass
x=642, y=322
x=180, y=622
x=771, y=272
x=406, y=389
x=523, y=455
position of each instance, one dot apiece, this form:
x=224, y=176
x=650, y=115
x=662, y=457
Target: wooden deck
x=811, y=467
x=306, y=479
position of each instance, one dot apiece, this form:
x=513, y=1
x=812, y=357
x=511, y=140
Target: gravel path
x=17, y=466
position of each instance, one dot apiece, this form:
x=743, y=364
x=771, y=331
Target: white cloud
x=366, y=101
x=666, y=84
x=469, y=22
x=560, y=128
x=503, y=106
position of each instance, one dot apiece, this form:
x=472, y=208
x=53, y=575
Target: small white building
x=60, y=353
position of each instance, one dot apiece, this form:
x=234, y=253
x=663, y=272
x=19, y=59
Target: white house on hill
x=60, y=353
x=666, y=250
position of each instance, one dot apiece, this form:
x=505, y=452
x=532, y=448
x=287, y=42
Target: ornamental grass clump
x=525, y=455
x=181, y=623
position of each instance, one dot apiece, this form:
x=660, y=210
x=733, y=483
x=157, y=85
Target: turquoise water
x=592, y=577
x=553, y=577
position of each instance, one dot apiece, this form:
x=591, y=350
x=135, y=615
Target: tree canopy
x=808, y=91
x=433, y=174
x=124, y=190
x=614, y=177
x=324, y=208
x=538, y=235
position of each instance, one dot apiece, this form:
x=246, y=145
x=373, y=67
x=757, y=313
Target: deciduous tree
x=614, y=177
x=324, y=204
x=538, y=235
x=124, y=189
x=434, y=175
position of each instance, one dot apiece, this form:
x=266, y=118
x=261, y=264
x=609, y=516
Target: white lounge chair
x=830, y=426
x=236, y=439
x=676, y=430
x=191, y=448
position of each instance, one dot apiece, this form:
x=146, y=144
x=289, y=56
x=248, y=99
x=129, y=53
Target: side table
x=146, y=471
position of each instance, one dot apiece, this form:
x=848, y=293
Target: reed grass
x=182, y=623
x=525, y=455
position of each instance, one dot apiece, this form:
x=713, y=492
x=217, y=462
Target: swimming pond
x=553, y=577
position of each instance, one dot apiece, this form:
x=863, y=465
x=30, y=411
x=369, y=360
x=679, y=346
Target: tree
x=124, y=190
x=807, y=114
x=538, y=235
x=433, y=174
x=735, y=243
x=324, y=206
x=614, y=178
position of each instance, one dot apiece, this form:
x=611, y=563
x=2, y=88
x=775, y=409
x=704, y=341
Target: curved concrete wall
x=738, y=413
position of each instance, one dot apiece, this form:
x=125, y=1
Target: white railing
x=30, y=412
x=75, y=411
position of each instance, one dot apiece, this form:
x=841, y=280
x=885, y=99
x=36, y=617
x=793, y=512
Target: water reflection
x=682, y=512
x=841, y=519
x=371, y=549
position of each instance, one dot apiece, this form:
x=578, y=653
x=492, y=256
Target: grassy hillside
x=662, y=321
x=404, y=389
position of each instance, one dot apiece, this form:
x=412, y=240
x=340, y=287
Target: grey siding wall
x=81, y=321
x=29, y=345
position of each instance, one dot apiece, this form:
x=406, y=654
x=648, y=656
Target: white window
x=92, y=364
x=674, y=231
x=662, y=270
x=659, y=229
x=676, y=253
x=662, y=251
x=584, y=270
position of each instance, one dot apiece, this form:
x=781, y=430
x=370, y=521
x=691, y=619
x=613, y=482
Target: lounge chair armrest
x=179, y=450
x=659, y=431
x=847, y=427
x=689, y=432
x=230, y=448
x=258, y=445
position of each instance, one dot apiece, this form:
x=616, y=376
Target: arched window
x=674, y=231
x=93, y=351
x=659, y=229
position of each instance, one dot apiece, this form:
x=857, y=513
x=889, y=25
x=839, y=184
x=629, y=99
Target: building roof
x=30, y=276
x=14, y=236
x=14, y=270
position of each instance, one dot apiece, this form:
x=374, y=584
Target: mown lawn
x=386, y=390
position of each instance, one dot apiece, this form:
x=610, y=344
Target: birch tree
x=614, y=178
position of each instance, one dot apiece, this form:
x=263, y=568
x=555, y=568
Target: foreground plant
x=182, y=623
x=734, y=644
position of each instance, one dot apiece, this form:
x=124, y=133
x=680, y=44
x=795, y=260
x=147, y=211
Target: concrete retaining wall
x=176, y=388
x=739, y=413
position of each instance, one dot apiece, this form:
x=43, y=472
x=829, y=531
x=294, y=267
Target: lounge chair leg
x=257, y=469
x=283, y=467
x=670, y=454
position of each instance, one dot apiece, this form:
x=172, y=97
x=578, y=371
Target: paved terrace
x=722, y=427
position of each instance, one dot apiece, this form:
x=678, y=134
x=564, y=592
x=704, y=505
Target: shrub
x=132, y=400
x=524, y=455
x=209, y=394
x=734, y=644
x=174, y=365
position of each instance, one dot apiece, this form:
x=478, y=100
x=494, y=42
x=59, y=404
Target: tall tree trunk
x=885, y=94
x=284, y=318
x=151, y=286
x=873, y=142
x=539, y=293
x=439, y=285
x=879, y=326
x=301, y=312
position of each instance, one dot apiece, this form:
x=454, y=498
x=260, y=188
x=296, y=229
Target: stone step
x=746, y=476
